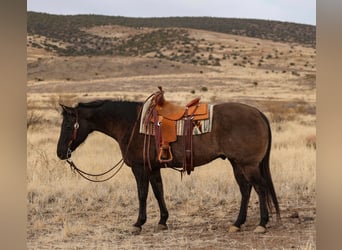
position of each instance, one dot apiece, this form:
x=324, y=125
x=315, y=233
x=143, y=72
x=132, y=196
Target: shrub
x=33, y=119
x=217, y=62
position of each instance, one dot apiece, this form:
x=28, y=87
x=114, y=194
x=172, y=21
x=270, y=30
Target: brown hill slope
x=206, y=56
x=69, y=29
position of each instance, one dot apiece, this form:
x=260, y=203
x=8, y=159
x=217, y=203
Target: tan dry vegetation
x=65, y=211
x=116, y=31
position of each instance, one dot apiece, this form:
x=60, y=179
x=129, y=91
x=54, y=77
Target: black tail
x=266, y=173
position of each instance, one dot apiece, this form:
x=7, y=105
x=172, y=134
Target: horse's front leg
x=142, y=179
x=157, y=187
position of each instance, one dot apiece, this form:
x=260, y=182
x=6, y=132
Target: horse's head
x=74, y=131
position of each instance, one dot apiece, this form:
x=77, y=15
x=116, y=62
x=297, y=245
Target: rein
x=93, y=177
x=88, y=176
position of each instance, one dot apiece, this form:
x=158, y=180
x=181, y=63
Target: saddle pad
x=200, y=126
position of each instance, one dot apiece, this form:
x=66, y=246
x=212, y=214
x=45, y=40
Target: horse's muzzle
x=64, y=155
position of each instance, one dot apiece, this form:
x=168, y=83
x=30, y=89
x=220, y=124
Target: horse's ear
x=66, y=109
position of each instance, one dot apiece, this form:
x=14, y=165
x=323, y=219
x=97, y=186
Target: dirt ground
x=204, y=227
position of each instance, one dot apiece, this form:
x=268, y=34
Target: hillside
x=84, y=47
x=70, y=31
x=86, y=54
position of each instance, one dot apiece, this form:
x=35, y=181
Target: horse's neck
x=116, y=122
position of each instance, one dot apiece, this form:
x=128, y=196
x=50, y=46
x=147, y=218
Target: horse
x=240, y=133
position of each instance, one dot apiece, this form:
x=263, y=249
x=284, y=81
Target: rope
x=86, y=175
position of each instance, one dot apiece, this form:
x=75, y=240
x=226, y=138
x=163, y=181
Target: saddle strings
x=147, y=137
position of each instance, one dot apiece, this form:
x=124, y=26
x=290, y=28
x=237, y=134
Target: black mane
x=98, y=103
x=122, y=108
x=92, y=104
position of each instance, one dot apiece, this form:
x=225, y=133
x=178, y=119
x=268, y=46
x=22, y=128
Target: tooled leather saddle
x=163, y=115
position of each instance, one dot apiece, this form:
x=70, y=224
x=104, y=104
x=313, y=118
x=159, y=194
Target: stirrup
x=169, y=154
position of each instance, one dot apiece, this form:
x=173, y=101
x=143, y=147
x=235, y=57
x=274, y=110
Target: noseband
x=74, y=135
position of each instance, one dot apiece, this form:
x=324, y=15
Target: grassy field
x=67, y=212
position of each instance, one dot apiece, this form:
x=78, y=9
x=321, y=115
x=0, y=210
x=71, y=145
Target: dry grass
x=65, y=210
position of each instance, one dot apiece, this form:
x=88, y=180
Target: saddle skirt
x=202, y=123
x=166, y=120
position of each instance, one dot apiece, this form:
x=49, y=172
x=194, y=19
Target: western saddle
x=164, y=116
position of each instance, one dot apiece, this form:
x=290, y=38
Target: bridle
x=90, y=176
x=93, y=177
x=74, y=135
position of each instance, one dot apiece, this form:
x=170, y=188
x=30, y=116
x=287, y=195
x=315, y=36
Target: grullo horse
x=240, y=133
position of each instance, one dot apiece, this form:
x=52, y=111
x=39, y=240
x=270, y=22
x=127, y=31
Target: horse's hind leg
x=260, y=188
x=253, y=174
x=157, y=187
x=245, y=190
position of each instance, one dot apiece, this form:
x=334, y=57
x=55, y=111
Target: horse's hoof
x=162, y=227
x=136, y=230
x=260, y=230
x=233, y=229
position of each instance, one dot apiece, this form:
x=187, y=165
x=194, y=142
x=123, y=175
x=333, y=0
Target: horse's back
x=240, y=115
x=235, y=108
